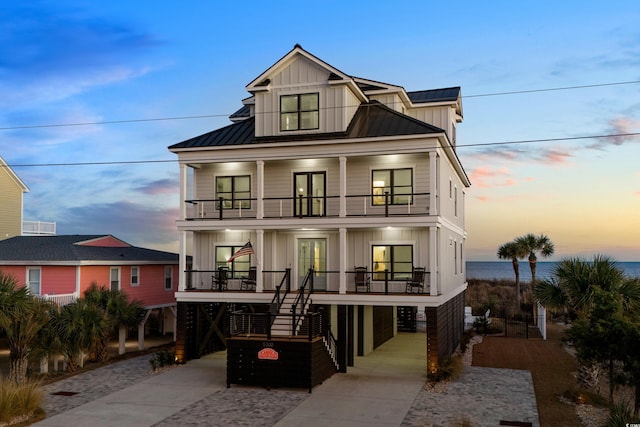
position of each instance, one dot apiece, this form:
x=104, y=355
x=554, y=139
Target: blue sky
x=67, y=62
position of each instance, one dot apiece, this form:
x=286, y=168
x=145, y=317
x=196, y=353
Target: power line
x=207, y=116
x=552, y=89
x=483, y=144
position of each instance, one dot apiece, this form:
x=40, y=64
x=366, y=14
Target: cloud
x=49, y=53
x=622, y=126
x=160, y=186
x=486, y=177
x=554, y=156
x=128, y=221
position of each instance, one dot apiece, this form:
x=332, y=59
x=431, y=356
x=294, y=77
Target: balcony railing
x=382, y=205
x=380, y=282
x=60, y=300
x=38, y=228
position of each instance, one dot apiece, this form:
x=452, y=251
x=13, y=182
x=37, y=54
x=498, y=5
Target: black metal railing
x=281, y=292
x=301, y=302
x=358, y=205
x=247, y=324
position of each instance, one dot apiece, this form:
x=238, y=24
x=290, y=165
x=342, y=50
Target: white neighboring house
x=323, y=172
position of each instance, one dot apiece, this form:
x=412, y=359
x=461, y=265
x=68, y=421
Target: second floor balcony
x=355, y=205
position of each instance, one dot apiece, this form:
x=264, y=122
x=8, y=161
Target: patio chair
x=362, y=279
x=219, y=279
x=249, y=282
x=417, y=281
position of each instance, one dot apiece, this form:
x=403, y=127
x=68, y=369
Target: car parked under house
x=346, y=196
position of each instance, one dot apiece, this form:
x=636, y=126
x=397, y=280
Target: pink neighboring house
x=61, y=268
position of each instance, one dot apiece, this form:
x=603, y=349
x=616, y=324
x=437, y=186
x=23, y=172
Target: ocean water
x=544, y=269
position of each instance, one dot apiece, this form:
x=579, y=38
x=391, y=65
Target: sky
x=538, y=159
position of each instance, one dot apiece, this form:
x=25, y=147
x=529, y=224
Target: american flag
x=247, y=249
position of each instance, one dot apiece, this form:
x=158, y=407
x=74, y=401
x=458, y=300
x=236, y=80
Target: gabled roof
x=5, y=167
x=78, y=248
x=371, y=120
x=336, y=76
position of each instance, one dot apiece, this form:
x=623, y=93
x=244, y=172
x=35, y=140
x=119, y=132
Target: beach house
x=328, y=216
x=60, y=268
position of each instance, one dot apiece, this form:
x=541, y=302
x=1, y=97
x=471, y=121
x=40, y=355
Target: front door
x=309, y=193
x=312, y=253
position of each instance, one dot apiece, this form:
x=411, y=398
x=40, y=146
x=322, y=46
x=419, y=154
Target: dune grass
x=18, y=401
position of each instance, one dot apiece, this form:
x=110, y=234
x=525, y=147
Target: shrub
x=449, y=369
x=621, y=415
x=18, y=400
x=162, y=358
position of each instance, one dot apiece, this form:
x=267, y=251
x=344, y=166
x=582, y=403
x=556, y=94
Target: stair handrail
x=276, y=301
x=301, y=300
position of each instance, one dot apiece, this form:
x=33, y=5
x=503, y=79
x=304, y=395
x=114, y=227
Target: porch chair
x=219, y=279
x=417, y=280
x=362, y=279
x=249, y=282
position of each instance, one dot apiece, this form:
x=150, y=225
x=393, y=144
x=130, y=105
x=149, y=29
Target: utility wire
x=207, y=116
x=483, y=144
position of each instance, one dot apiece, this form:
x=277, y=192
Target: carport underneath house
x=263, y=349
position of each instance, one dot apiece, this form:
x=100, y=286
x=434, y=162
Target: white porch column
x=183, y=190
x=434, y=268
x=343, y=260
x=259, y=260
x=343, y=187
x=260, y=191
x=141, y=330
x=433, y=184
x=182, y=261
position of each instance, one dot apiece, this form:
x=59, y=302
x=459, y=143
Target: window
x=135, y=276
x=235, y=190
x=168, y=278
x=114, y=277
x=33, y=280
x=398, y=259
x=397, y=183
x=239, y=267
x=299, y=112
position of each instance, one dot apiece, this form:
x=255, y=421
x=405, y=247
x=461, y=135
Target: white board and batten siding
x=337, y=104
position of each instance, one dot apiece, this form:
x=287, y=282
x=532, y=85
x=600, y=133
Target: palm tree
x=116, y=310
x=573, y=289
x=77, y=328
x=22, y=316
x=572, y=286
x=534, y=244
x=513, y=251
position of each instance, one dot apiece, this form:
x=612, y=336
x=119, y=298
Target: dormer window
x=299, y=112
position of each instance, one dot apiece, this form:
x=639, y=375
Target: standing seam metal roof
x=371, y=120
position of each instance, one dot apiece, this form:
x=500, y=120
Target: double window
x=396, y=259
x=235, y=191
x=392, y=186
x=299, y=112
x=239, y=267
